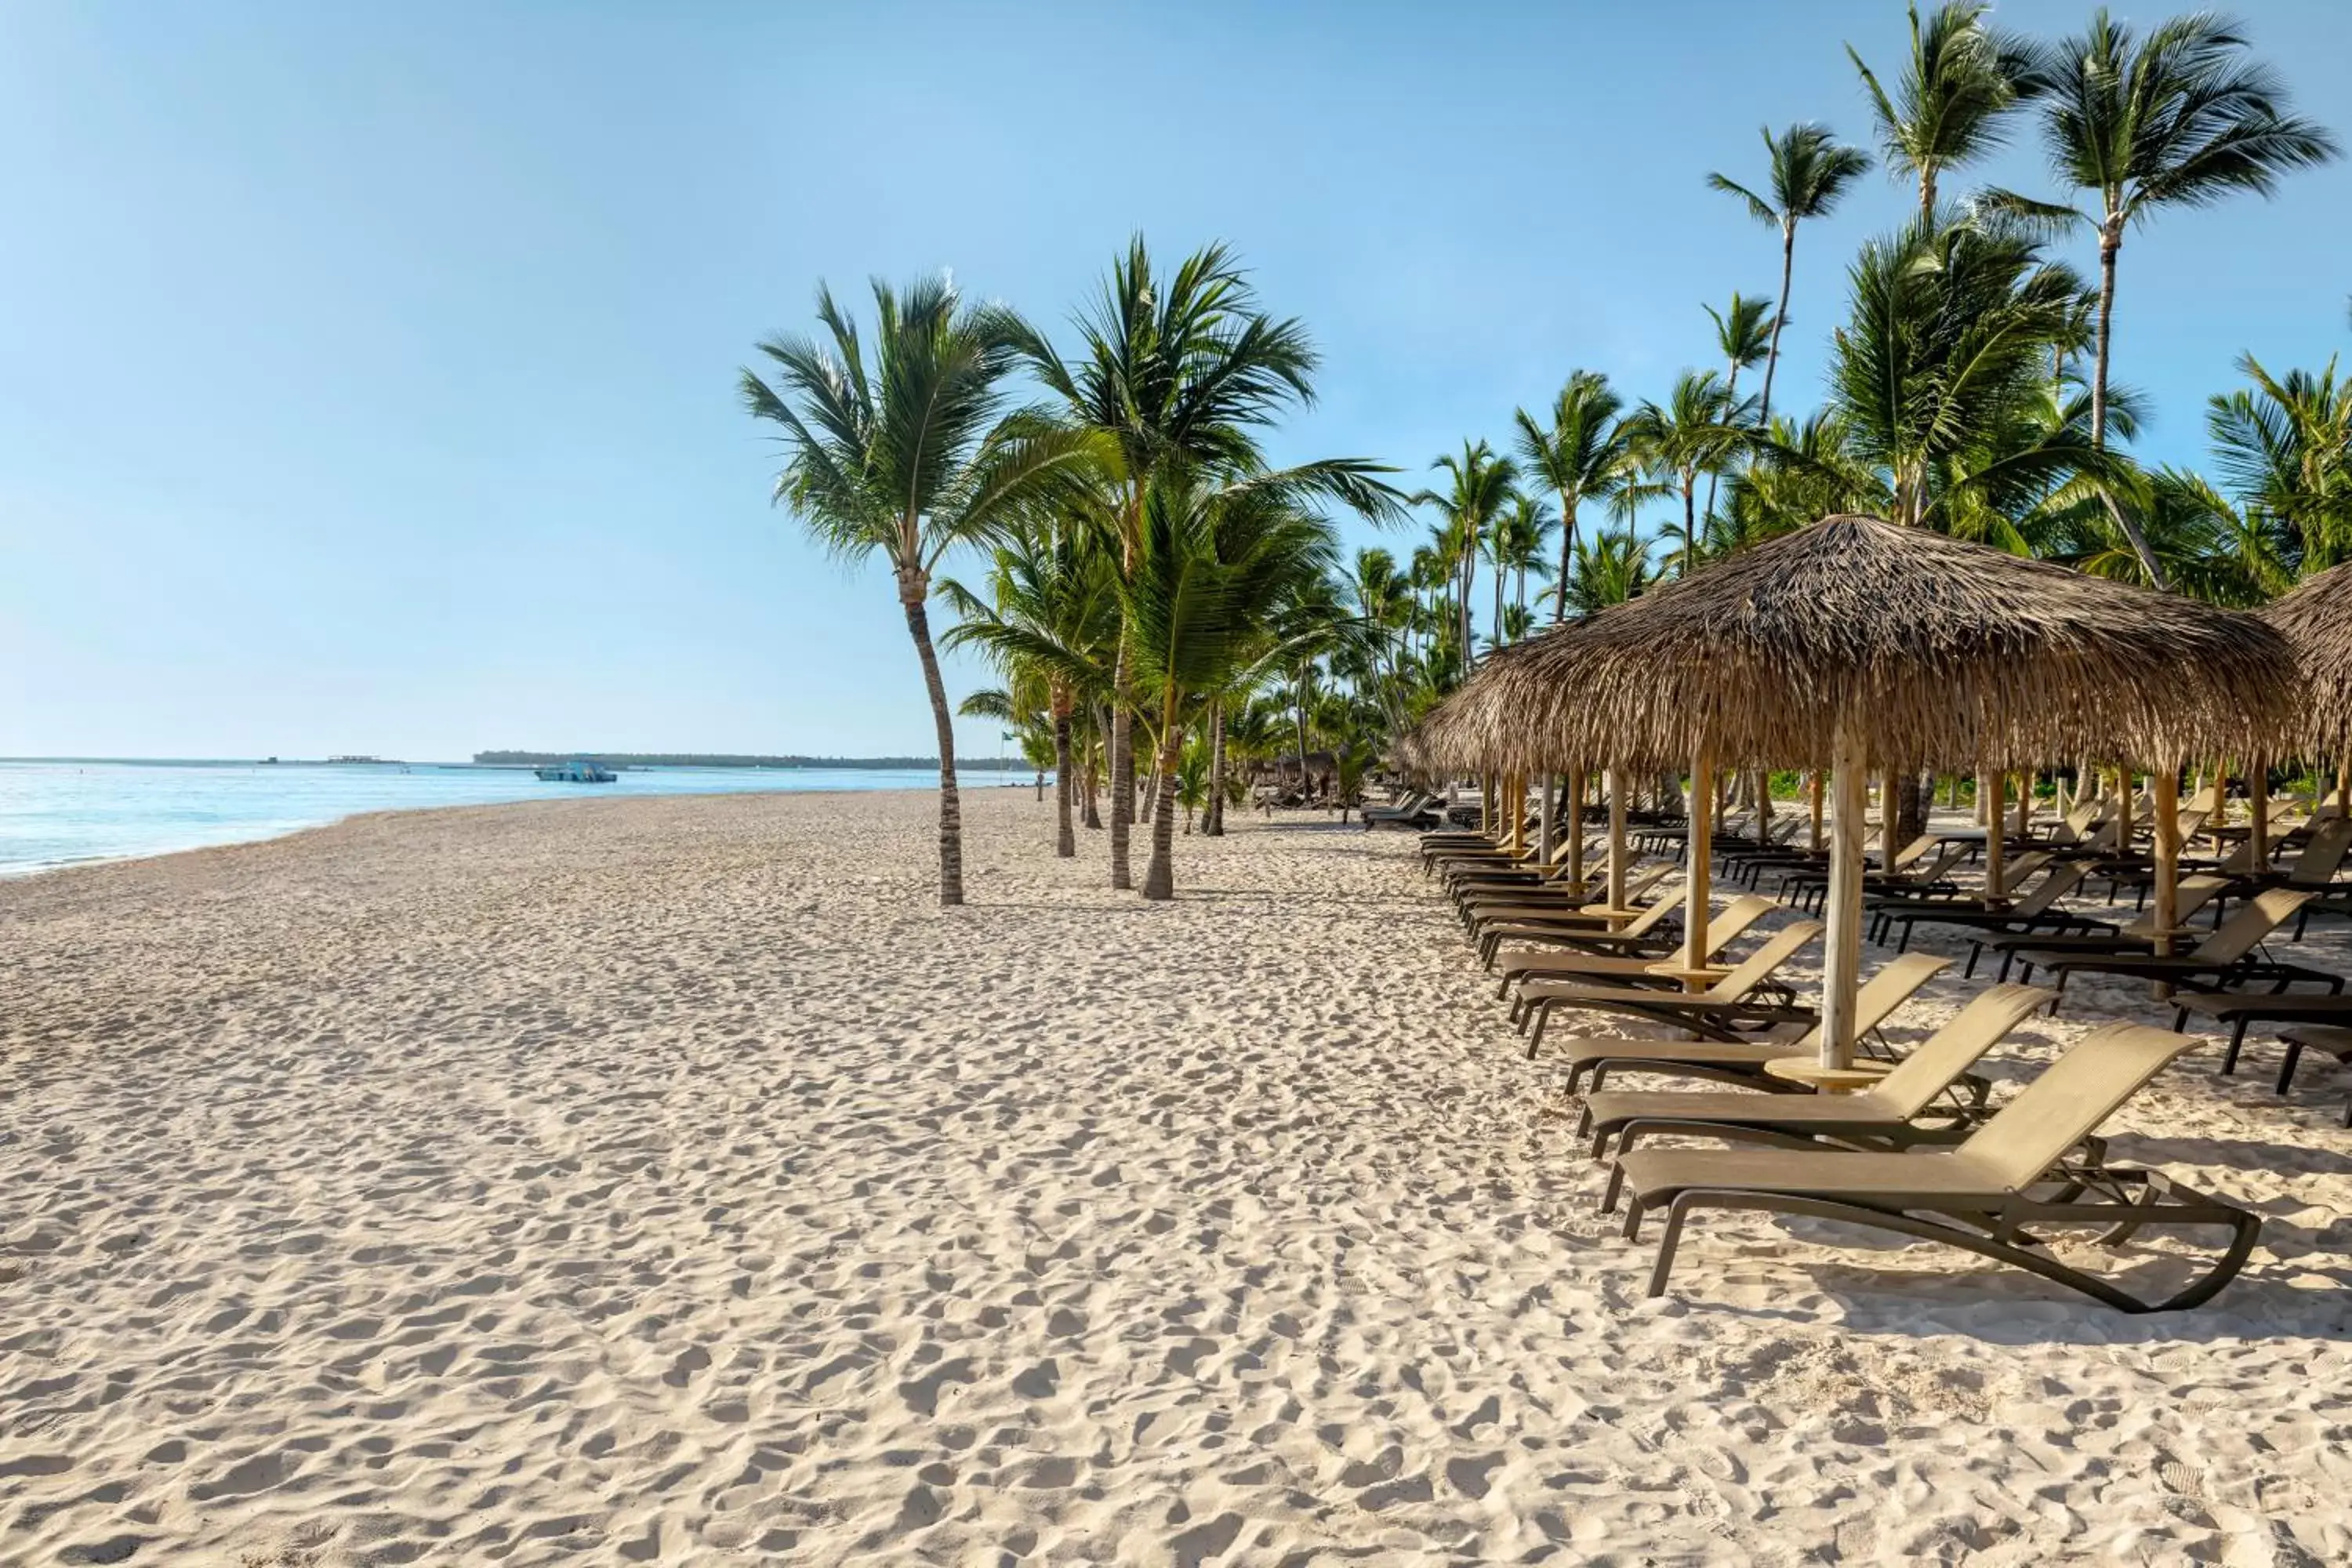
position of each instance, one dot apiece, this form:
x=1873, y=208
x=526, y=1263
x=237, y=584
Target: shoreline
x=675, y=1180
x=10, y=873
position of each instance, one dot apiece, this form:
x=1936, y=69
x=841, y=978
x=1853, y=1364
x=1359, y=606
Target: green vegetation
x=1151, y=589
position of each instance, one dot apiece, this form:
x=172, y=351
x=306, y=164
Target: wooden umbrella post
x=1512, y=805
x=1575, y=828
x=2024, y=805
x=1842, y=964
x=1700, y=852
x=1988, y=791
x=2258, y=825
x=1817, y=810
x=1616, y=839
x=1546, y=851
x=2166, y=782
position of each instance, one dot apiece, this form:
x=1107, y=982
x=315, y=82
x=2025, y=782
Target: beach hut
x=1855, y=645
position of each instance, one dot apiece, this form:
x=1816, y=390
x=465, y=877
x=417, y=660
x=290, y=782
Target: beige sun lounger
x=1887, y=1112
x=1737, y=995
x=1978, y=1196
x=1742, y=1060
x=1723, y=929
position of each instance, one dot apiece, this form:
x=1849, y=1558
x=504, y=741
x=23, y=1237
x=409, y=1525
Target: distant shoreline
x=740, y=759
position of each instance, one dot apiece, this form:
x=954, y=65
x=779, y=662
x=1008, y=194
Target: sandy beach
x=670, y=1181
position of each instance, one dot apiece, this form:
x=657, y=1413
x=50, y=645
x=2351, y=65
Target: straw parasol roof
x=1951, y=655
x=2316, y=621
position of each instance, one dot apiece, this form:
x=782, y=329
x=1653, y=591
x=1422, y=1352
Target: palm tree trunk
x=1213, y=824
x=1731, y=399
x=1094, y=769
x=1494, y=631
x=1469, y=581
x=1066, y=840
x=1567, y=555
x=1690, y=519
x=918, y=626
x=1298, y=709
x=1159, y=875
x=1122, y=772
x=1773, y=353
x=2111, y=240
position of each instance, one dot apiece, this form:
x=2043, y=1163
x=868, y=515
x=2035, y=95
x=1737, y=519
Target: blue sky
x=369, y=370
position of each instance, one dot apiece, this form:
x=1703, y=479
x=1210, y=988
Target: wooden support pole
x=1817, y=810
x=2024, y=804
x=2167, y=810
x=1700, y=855
x=2258, y=827
x=1575, y=827
x=1546, y=851
x=1989, y=796
x=1842, y=964
x=1616, y=839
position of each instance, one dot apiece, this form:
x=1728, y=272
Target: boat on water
x=579, y=770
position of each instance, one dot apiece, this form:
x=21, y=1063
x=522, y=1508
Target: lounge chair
x=1415, y=810
x=1742, y=1060
x=1886, y=1113
x=2062, y=930
x=1590, y=933
x=1636, y=968
x=1977, y=1196
x=2021, y=914
x=1746, y=992
x=1567, y=907
x=2223, y=960
x=2332, y=1039
x=1808, y=888
x=2239, y=1009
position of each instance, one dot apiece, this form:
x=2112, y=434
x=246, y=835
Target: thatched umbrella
x=1856, y=644
x=2316, y=621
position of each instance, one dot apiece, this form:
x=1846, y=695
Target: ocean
x=65, y=811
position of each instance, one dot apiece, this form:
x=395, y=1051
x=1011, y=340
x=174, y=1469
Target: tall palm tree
x=1213, y=568
x=2180, y=118
x=1183, y=368
x=1050, y=619
x=1742, y=335
x=1961, y=79
x=1610, y=568
x=910, y=454
x=1809, y=172
x=1580, y=454
x=1520, y=538
x=1696, y=431
x=2283, y=447
x=1479, y=487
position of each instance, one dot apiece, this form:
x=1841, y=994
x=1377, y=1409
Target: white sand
x=669, y=1181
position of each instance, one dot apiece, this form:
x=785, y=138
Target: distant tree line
x=730, y=760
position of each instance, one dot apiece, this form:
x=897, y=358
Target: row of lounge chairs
x=1919, y=1152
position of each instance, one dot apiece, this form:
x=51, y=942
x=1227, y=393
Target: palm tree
x=1520, y=538
x=2283, y=447
x=909, y=456
x=1696, y=431
x=1050, y=619
x=1580, y=454
x=1610, y=569
x=1213, y=570
x=1962, y=79
x=1479, y=486
x=1183, y=369
x=1809, y=172
x=2178, y=118
x=1743, y=335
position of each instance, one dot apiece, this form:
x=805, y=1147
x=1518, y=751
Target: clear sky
x=369, y=370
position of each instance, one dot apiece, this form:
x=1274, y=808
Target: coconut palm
x=1580, y=454
x=1696, y=431
x=1050, y=619
x=1520, y=543
x=1213, y=569
x=1183, y=368
x=910, y=453
x=1742, y=335
x=2283, y=447
x=1809, y=172
x=1610, y=568
x=1960, y=81
x=2178, y=118
x=1480, y=486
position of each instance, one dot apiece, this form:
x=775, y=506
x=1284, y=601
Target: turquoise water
x=58, y=813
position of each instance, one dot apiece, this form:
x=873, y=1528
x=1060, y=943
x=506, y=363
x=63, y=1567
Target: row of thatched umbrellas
x=1857, y=647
